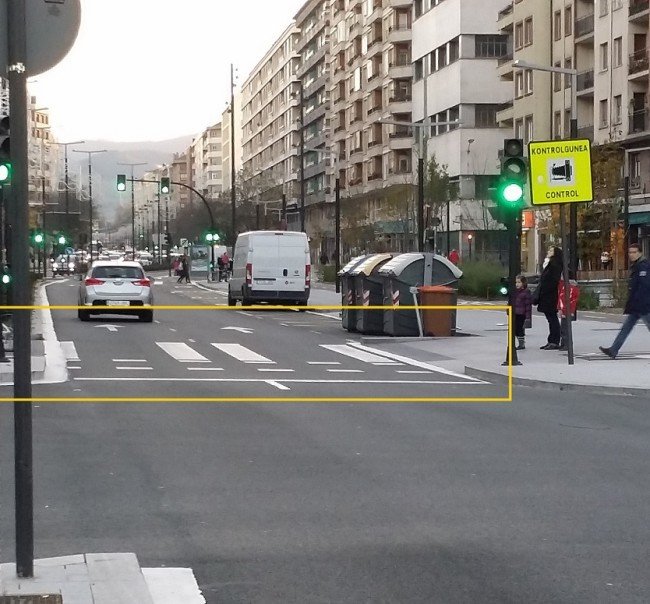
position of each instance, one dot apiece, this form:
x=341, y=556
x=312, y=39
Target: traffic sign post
x=560, y=171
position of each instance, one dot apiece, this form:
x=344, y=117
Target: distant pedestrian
x=454, y=257
x=184, y=270
x=523, y=310
x=545, y=295
x=176, y=266
x=638, y=299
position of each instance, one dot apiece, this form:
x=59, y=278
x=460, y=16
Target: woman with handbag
x=546, y=295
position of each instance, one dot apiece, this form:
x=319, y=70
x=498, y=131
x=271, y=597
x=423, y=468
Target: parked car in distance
x=122, y=286
x=144, y=258
x=65, y=264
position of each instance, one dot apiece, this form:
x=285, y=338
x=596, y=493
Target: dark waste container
x=439, y=323
x=402, y=276
x=348, y=294
x=369, y=288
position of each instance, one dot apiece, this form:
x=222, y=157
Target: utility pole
x=133, y=164
x=19, y=219
x=90, y=193
x=233, y=196
x=302, y=155
x=67, y=190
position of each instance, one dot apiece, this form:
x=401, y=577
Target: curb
x=499, y=378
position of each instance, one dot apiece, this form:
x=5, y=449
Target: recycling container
x=348, y=294
x=405, y=272
x=369, y=289
x=439, y=323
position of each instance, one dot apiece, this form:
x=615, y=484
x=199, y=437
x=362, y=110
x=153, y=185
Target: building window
x=617, y=58
x=519, y=35
x=604, y=7
x=618, y=109
x=519, y=85
x=557, y=79
x=568, y=64
x=519, y=129
x=568, y=21
x=486, y=116
x=557, y=25
x=418, y=69
x=528, y=81
x=603, y=114
x=604, y=56
x=528, y=129
x=528, y=31
x=557, y=125
x=490, y=46
x=453, y=50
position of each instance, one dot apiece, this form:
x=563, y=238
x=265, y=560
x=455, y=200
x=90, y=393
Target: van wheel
x=146, y=316
x=231, y=300
x=83, y=315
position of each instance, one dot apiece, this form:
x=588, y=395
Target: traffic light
x=164, y=185
x=38, y=238
x=5, y=151
x=61, y=240
x=121, y=182
x=168, y=239
x=508, y=190
x=504, y=288
x=6, y=277
x=212, y=237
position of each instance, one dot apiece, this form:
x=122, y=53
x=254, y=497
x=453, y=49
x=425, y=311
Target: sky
x=156, y=69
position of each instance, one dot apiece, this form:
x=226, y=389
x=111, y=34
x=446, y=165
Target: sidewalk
x=102, y=579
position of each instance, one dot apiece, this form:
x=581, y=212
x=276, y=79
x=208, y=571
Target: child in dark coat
x=523, y=310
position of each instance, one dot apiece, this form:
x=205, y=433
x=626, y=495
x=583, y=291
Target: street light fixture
x=133, y=164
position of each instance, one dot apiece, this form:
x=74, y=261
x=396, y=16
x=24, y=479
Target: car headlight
x=55, y=265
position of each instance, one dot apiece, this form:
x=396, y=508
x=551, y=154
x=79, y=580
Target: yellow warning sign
x=560, y=171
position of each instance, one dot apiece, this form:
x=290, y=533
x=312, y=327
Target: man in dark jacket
x=545, y=295
x=638, y=299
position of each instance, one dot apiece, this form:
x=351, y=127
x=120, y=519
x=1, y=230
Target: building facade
x=227, y=140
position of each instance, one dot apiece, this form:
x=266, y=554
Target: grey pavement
x=482, y=353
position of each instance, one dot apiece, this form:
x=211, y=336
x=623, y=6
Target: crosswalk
x=328, y=359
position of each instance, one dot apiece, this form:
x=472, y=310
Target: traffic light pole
x=24, y=480
x=514, y=260
x=167, y=236
x=568, y=328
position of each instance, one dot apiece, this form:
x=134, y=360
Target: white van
x=270, y=266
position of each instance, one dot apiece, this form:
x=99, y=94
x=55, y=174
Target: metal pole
x=565, y=276
x=302, y=159
x=284, y=212
x=133, y=214
x=24, y=484
x=514, y=260
x=420, y=208
x=232, y=154
x=67, y=192
x=337, y=232
x=44, y=233
x=626, y=219
x=573, y=211
x=90, y=195
x=169, y=247
x=159, y=227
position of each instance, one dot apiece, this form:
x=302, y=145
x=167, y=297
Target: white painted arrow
x=109, y=327
x=241, y=329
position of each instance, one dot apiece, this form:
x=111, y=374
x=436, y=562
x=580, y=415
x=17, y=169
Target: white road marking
x=241, y=353
x=194, y=361
x=290, y=380
x=359, y=355
x=181, y=351
x=345, y=370
x=172, y=329
x=245, y=312
x=412, y=371
x=71, y=367
x=141, y=368
x=129, y=360
x=276, y=370
x=323, y=362
x=69, y=351
x=415, y=363
x=205, y=368
x=240, y=329
x=277, y=385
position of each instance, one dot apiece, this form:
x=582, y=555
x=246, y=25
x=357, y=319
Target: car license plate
x=264, y=281
x=117, y=303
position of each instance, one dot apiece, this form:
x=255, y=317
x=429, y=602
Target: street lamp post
x=132, y=164
x=67, y=190
x=469, y=241
x=570, y=259
x=301, y=119
x=90, y=194
x=233, y=196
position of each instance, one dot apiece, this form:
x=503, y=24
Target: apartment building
x=42, y=155
x=205, y=151
x=270, y=119
x=227, y=139
x=606, y=41
x=456, y=49
x=372, y=76
x=312, y=90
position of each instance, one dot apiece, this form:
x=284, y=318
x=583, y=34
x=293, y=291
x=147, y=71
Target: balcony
x=638, y=64
x=585, y=82
x=400, y=3
x=400, y=140
x=374, y=109
x=586, y=132
x=400, y=71
x=639, y=122
x=639, y=10
x=584, y=28
x=400, y=103
x=504, y=12
x=375, y=176
x=397, y=34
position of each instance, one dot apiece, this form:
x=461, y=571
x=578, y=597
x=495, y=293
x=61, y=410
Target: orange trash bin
x=438, y=322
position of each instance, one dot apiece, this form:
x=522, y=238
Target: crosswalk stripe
x=359, y=355
x=241, y=353
x=181, y=351
x=69, y=351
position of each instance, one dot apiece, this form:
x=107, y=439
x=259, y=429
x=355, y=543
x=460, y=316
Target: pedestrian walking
x=523, y=310
x=186, y=269
x=638, y=299
x=454, y=257
x=545, y=295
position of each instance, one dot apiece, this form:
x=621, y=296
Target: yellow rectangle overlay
x=294, y=400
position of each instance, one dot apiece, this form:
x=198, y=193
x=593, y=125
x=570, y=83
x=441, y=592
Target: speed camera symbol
x=561, y=172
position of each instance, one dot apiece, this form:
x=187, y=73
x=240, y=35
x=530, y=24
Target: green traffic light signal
x=62, y=240
x=5, y=172
x=121, y=182
x=38, y=238
x=512, y=193
x=5, y=151
x=164, y=185
x=6, y=279
x=504, y=287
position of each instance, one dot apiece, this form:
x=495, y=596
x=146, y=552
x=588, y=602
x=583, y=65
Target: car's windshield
x=117, y=272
